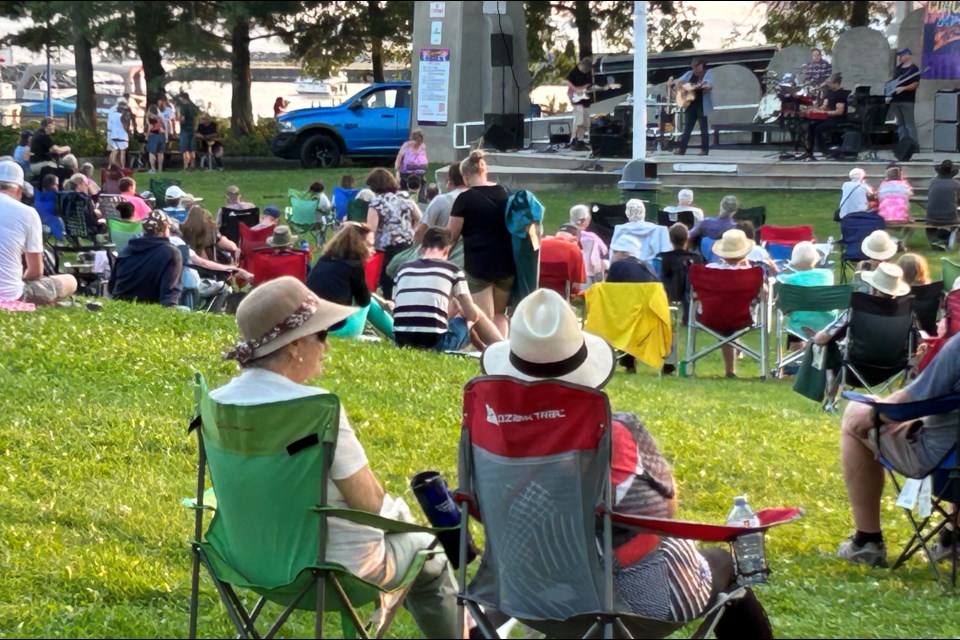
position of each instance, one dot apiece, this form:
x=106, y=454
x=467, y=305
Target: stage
x=724, y=169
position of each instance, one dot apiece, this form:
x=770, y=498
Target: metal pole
x=49, y=94
x=639, y=80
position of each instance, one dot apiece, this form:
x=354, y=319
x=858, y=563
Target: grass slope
x=95, y=457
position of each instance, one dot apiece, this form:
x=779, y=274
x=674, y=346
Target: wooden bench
x=909, y=228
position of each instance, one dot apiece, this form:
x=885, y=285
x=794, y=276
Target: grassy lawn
x=95, y=457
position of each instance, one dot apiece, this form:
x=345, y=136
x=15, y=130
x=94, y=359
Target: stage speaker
x=501, y=50
x=609, y=145
x=905, y=149
x=559, y=132
x=946, y=106
x=504, y=131
x=850, y=145
x=946, y=136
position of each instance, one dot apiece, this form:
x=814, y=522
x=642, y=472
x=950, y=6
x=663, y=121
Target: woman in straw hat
x=886, y=281
x=284, y=328
x=879, y=247
x=732, y=249
x=665, y=578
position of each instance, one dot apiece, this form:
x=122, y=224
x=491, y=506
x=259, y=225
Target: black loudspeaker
x=946, y=106
x=850, y=146
x=609, y=145
x=501, y=50
x=946, y=137
x=504, y=131
x=905, y=148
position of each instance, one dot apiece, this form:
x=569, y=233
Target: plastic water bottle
x=305, y=245
x=748, y=550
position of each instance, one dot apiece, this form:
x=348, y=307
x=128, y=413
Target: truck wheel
x=320, y=151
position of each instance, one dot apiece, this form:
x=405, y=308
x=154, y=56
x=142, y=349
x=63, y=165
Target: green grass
x=95, y=457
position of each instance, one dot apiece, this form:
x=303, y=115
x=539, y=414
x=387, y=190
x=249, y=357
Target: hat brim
x=328, y=314
x=880, y=255
x=733, y=255
x=901, y=289
x=289, y=243
x=595, y=372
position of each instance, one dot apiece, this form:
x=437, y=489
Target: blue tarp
x=60, y=108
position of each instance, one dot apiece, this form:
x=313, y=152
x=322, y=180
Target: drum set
x=784, y=98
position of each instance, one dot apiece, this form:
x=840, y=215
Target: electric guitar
x=577, y=95
x=890, y=87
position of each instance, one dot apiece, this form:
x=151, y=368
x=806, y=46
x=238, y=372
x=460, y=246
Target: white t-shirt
x=20, y=233
x=115, y=128
x=360, y=549
x=438, y=211
x=853, y=197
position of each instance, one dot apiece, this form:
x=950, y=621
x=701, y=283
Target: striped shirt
x=422, y=295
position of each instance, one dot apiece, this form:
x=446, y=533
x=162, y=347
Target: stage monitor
x=501, y=50
x=503, y=131
x=945, y=136
x=946, y=106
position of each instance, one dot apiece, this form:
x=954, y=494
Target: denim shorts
x=186, y=141
x=457, y=336
x=157, y=143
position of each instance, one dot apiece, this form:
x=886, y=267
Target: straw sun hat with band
x=733, y=245
x=879, y=245
x=279, y=312
x=546, y=343
x=888, y=279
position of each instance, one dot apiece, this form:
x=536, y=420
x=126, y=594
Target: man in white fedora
x=668, y=579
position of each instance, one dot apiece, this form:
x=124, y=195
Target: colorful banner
x=941, y=41
x=433, y=87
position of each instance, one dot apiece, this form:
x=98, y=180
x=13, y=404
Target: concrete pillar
x=476, y=87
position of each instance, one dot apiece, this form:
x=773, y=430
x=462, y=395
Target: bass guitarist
x=905, y=95
x=579, y=81
x=696, y=84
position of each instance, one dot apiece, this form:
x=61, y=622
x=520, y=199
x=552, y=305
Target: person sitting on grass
x=284, y=329
x=732, y=249
x=422, y=317
x=338, y=276
x=21, y=243
x=148, y=269
x=664, y=578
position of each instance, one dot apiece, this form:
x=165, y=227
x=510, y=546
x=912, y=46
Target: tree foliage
x=817, y=22
x=331, y=35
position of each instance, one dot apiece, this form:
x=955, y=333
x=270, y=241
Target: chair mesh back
x=534, y=461
x=926, y=305
x=791, y=297
x=158, y=187
x=267, y=466
x=108, y=205
x=879, y=335
x=357, y=211
x=755, y=215
x=726, y=296
x=604, y=217
x=79, y=218
x=122, y=232
x=685, y=216
x=854, y=228
x=231, y=219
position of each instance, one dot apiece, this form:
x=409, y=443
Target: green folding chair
x=357, y=211
x=123, y=231
x=301, y=216
x=801, y=307
x=950, y=270
x=269, y=467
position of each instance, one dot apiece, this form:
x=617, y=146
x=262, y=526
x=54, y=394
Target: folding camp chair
x=878, y=346
x=927, y=300
x=722, y=305
x=250, y=241
x=757, y=216
x=633, y=317
x=107, y=203
x=341, y=197
x=123, y=231
x=819, y=306
x=556, y=277
x=950, y=271
x=81, y=228
x=674, y=274
x=231, y=219
x=944, y=479
x=303, y=217
x=780, y=241
x=706, y=250
x=951, y=319
x=271, y=263
x=269, y=468
x=684, y=216
x=605, y=217
x=158, y=187
x=45, y=202
x=357, y=211
x=854, y=228
x=542, y=490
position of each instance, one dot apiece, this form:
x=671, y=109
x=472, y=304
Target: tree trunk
x=374, y=20
x=860, y=13
x=86, y=114
x=241, y=104
x=584, y=20
x=148, y=48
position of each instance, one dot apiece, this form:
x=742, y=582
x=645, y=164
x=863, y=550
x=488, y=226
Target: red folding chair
x=274, y=262
x=250, y=241
x=372, y=269
x=951, y=316
x=780, y=241
x=722, y=306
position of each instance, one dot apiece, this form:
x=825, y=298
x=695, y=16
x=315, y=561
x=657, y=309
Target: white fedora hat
x=879, y=245
x=546, y=343
x=734, y=244
x=888, y=279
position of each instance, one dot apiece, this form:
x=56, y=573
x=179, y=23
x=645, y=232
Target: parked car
x=374, y=122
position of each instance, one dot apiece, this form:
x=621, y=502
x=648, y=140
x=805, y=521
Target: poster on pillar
x=433, y=87
x=941, y=41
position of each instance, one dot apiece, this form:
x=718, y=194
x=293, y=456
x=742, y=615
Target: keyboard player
x=826, y=119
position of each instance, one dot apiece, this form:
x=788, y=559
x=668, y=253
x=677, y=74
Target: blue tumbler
x=434, y=497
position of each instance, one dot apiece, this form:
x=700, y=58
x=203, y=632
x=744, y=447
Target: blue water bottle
x=434, y=497
x=305, y=245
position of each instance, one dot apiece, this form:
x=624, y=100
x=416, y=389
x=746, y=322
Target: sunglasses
x=321, y=336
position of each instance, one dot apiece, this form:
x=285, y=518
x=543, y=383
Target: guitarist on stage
x=699, y=81
x=579, y=81
x=905, y=95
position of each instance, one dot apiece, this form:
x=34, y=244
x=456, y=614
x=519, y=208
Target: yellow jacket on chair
x=633, y=317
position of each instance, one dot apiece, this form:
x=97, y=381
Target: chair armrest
x=702, y=531
x=379, y=522
x=903, y=411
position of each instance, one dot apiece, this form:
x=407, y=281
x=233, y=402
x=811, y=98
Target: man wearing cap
x=117, y=137
x=128, y=191
x=173, y=201
x=907, y=78
x=148, y=269
x=42, y=149
x=21, y=241
x=564, y=251
x=268, y=218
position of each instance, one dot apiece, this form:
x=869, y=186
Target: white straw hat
x=546, y=343
x=879, y=245
x=734, y=244
x=888, y=279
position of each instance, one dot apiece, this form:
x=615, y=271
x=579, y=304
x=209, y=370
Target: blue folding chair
x=341, y=197
x=45, y=202
x=854, y=228
x=945, y=477
x=706, y=250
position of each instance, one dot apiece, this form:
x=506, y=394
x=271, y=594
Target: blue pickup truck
x=374, y=122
